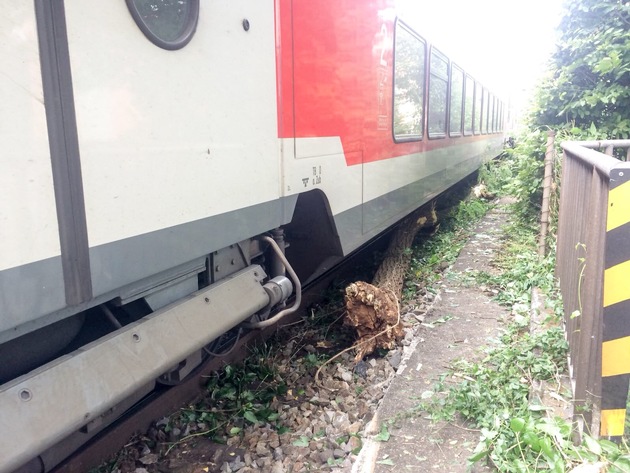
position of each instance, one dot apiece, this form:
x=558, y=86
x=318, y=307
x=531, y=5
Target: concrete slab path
x=459, y=325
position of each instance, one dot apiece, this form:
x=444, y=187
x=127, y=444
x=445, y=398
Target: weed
x=431, y=255
x=493, y=394
x=314, y=360
x=383, y=435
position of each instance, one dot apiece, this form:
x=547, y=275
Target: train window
x=487, y=110
x=468, y=105
x=498, y=117
x=484, y=112
x=409, y=60
x=457, y=99
x=499, y=114
x=438, y=88
x=498, y=124
x=169, y=24
x=478, y=107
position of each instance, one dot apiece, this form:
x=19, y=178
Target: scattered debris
x=481, y=192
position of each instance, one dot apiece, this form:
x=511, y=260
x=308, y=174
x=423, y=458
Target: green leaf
x=532, y=440
x=303, y=441
x=549, y=429
x=609, y=448
x=590, y=456
x=283, y=430
x=475, y=457
x=250, y=416
x=386, y=461
x=517, y=424
x=235, y=430
x=592, y=445
x=558, y=466
x=383, y=435
x=546, y=449
x=622, y=464
x=537, y=408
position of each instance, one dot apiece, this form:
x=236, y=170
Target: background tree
x=588, y=86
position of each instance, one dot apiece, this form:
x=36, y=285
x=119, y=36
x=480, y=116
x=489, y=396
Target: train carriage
x=150, y=150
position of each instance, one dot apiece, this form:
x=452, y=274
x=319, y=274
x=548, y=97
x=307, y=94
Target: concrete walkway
x=458, y=326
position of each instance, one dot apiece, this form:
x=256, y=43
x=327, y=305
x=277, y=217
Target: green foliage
x=383, y=435
x=303, y=441
x=521, y=269
x=589, y=78
x=247, y=391
x=543, y=444
x=493, y=394
x=236, y=396
x=497, y=174
x=526, y=162
x=522, y=169
x=429, y=255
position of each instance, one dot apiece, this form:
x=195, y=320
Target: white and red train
x=149, y=147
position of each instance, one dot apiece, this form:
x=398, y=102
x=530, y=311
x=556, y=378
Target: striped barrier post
x=616, y=307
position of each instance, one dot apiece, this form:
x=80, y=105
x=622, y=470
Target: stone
x=261, y=448
x=325, y=455
x=395, y=359
x=354, y=444
x=339, y=453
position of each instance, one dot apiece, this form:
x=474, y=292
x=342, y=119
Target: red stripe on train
x=335, y=74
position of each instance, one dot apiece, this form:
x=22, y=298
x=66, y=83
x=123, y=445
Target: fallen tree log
x=373, y=309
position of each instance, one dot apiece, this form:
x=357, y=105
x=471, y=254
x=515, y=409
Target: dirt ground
x=461, y=322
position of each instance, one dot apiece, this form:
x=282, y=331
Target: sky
x=505, y=44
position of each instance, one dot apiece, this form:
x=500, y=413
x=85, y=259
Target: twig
x=464, y=428
x=333, y=323
x=301, y=321
x=188, y=437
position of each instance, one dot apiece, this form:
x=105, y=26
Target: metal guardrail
x=593, y=266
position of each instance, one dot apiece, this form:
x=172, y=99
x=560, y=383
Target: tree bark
x=373, y=309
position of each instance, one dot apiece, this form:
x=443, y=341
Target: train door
x=31, y=269
x=176, y=118
x=341, y=100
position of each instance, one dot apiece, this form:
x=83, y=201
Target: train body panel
x=159, y=167
x=30, y=260
x=198, y=125
x=141, y=172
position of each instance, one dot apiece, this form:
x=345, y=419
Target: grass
x=494, y=393
x=430, y=255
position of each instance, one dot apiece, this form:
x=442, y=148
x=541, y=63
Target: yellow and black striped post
x=616, y=313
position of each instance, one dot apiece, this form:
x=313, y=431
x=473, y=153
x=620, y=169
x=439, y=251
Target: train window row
x=457, y=104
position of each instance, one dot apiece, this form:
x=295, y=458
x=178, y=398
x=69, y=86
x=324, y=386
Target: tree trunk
x=373, y=309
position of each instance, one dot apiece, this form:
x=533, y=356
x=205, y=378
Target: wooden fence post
x=544, y=216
